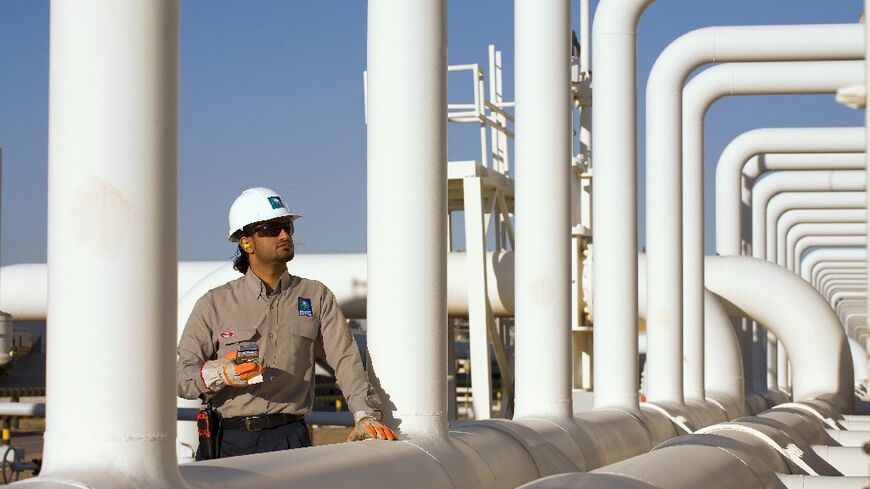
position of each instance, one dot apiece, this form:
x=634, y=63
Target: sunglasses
x=272, y=229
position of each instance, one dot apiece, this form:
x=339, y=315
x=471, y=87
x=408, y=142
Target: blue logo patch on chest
x=304, y=306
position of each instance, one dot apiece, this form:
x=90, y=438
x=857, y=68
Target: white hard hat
x=255, y=205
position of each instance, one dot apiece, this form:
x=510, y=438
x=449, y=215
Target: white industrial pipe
x=814, y=258
x=847, y=293
x=761, y=163
x=23, y=286
x=789, y=307
x=808, y=242
x=614, y=45
x=775, y=251
x=112, y=206
x=763, y=141
x=714, y=44
x=843, y=292
x=543, y=257
x=698, y=95
x=764, y=230
x=775, y=248
x=772, y=184
x=834, y=279
x=800, y=231
x=829, y=269
x=723, y=369
x=845, y=288
x=406, y=242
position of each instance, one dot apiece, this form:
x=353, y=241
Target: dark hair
x=240, y=261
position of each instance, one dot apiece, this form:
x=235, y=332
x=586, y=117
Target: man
x=261, y=402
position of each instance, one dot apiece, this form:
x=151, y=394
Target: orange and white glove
x=367, y=427
x=226, y=372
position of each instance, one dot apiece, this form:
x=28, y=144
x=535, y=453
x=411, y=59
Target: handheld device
x=248, y=351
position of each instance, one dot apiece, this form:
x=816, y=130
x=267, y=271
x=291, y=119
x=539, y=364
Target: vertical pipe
x=407, y=165
x=543, y=258
x=112, y=234
x=614, y=37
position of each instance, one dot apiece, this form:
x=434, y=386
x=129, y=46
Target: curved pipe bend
x=814, y=258
x=763, y=141
x=791, y=203
x=788, y=305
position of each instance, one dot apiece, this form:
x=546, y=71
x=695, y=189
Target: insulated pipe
x=112, y=207
x=407, y=209
x=543, y=168
x=763, y=230
x=713, y=44
x=842, y=294
x=833, y=280
x=723, y=369
x=836, y=294
x=813, y=258
x=836, y=269
x=614, y=44
x=768, y=140
x=698, y=94
x=852, y=312
x=778, y=247
x=807, y=242
x=761, y=163
x=802, y=231
x=789, y=306
x=777, y=366
x=826, y=267
x=23, y=286
x=772, y=184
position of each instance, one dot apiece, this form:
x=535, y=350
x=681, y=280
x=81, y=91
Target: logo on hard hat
x=276, y=202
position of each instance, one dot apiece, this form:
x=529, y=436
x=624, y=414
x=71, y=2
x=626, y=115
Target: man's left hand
x=370, y=428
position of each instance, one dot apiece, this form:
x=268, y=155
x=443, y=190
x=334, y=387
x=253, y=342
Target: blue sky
x=271, y=94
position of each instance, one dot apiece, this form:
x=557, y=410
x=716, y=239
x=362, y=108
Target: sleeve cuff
x=361, y=415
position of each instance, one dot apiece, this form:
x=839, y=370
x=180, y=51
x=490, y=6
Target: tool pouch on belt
x=208, y=427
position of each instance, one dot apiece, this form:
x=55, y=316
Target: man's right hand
x=225, y=372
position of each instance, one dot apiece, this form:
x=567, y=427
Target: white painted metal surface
x=802, y=231
x=543, y=258
x=764, y=141
x=614, y=138
x=698, y=95
x=807, y=243
x=775, y=248
x=771, y=295
x=812, y=260
x=664, y=197
x=406, y=243
x=114, y=223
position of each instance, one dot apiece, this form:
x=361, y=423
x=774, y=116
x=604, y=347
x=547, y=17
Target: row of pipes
x=130, y=298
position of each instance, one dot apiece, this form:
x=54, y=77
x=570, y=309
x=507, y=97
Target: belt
x=262, y=422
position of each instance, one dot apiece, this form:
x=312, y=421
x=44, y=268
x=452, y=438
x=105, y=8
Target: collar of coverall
x=258, y=288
